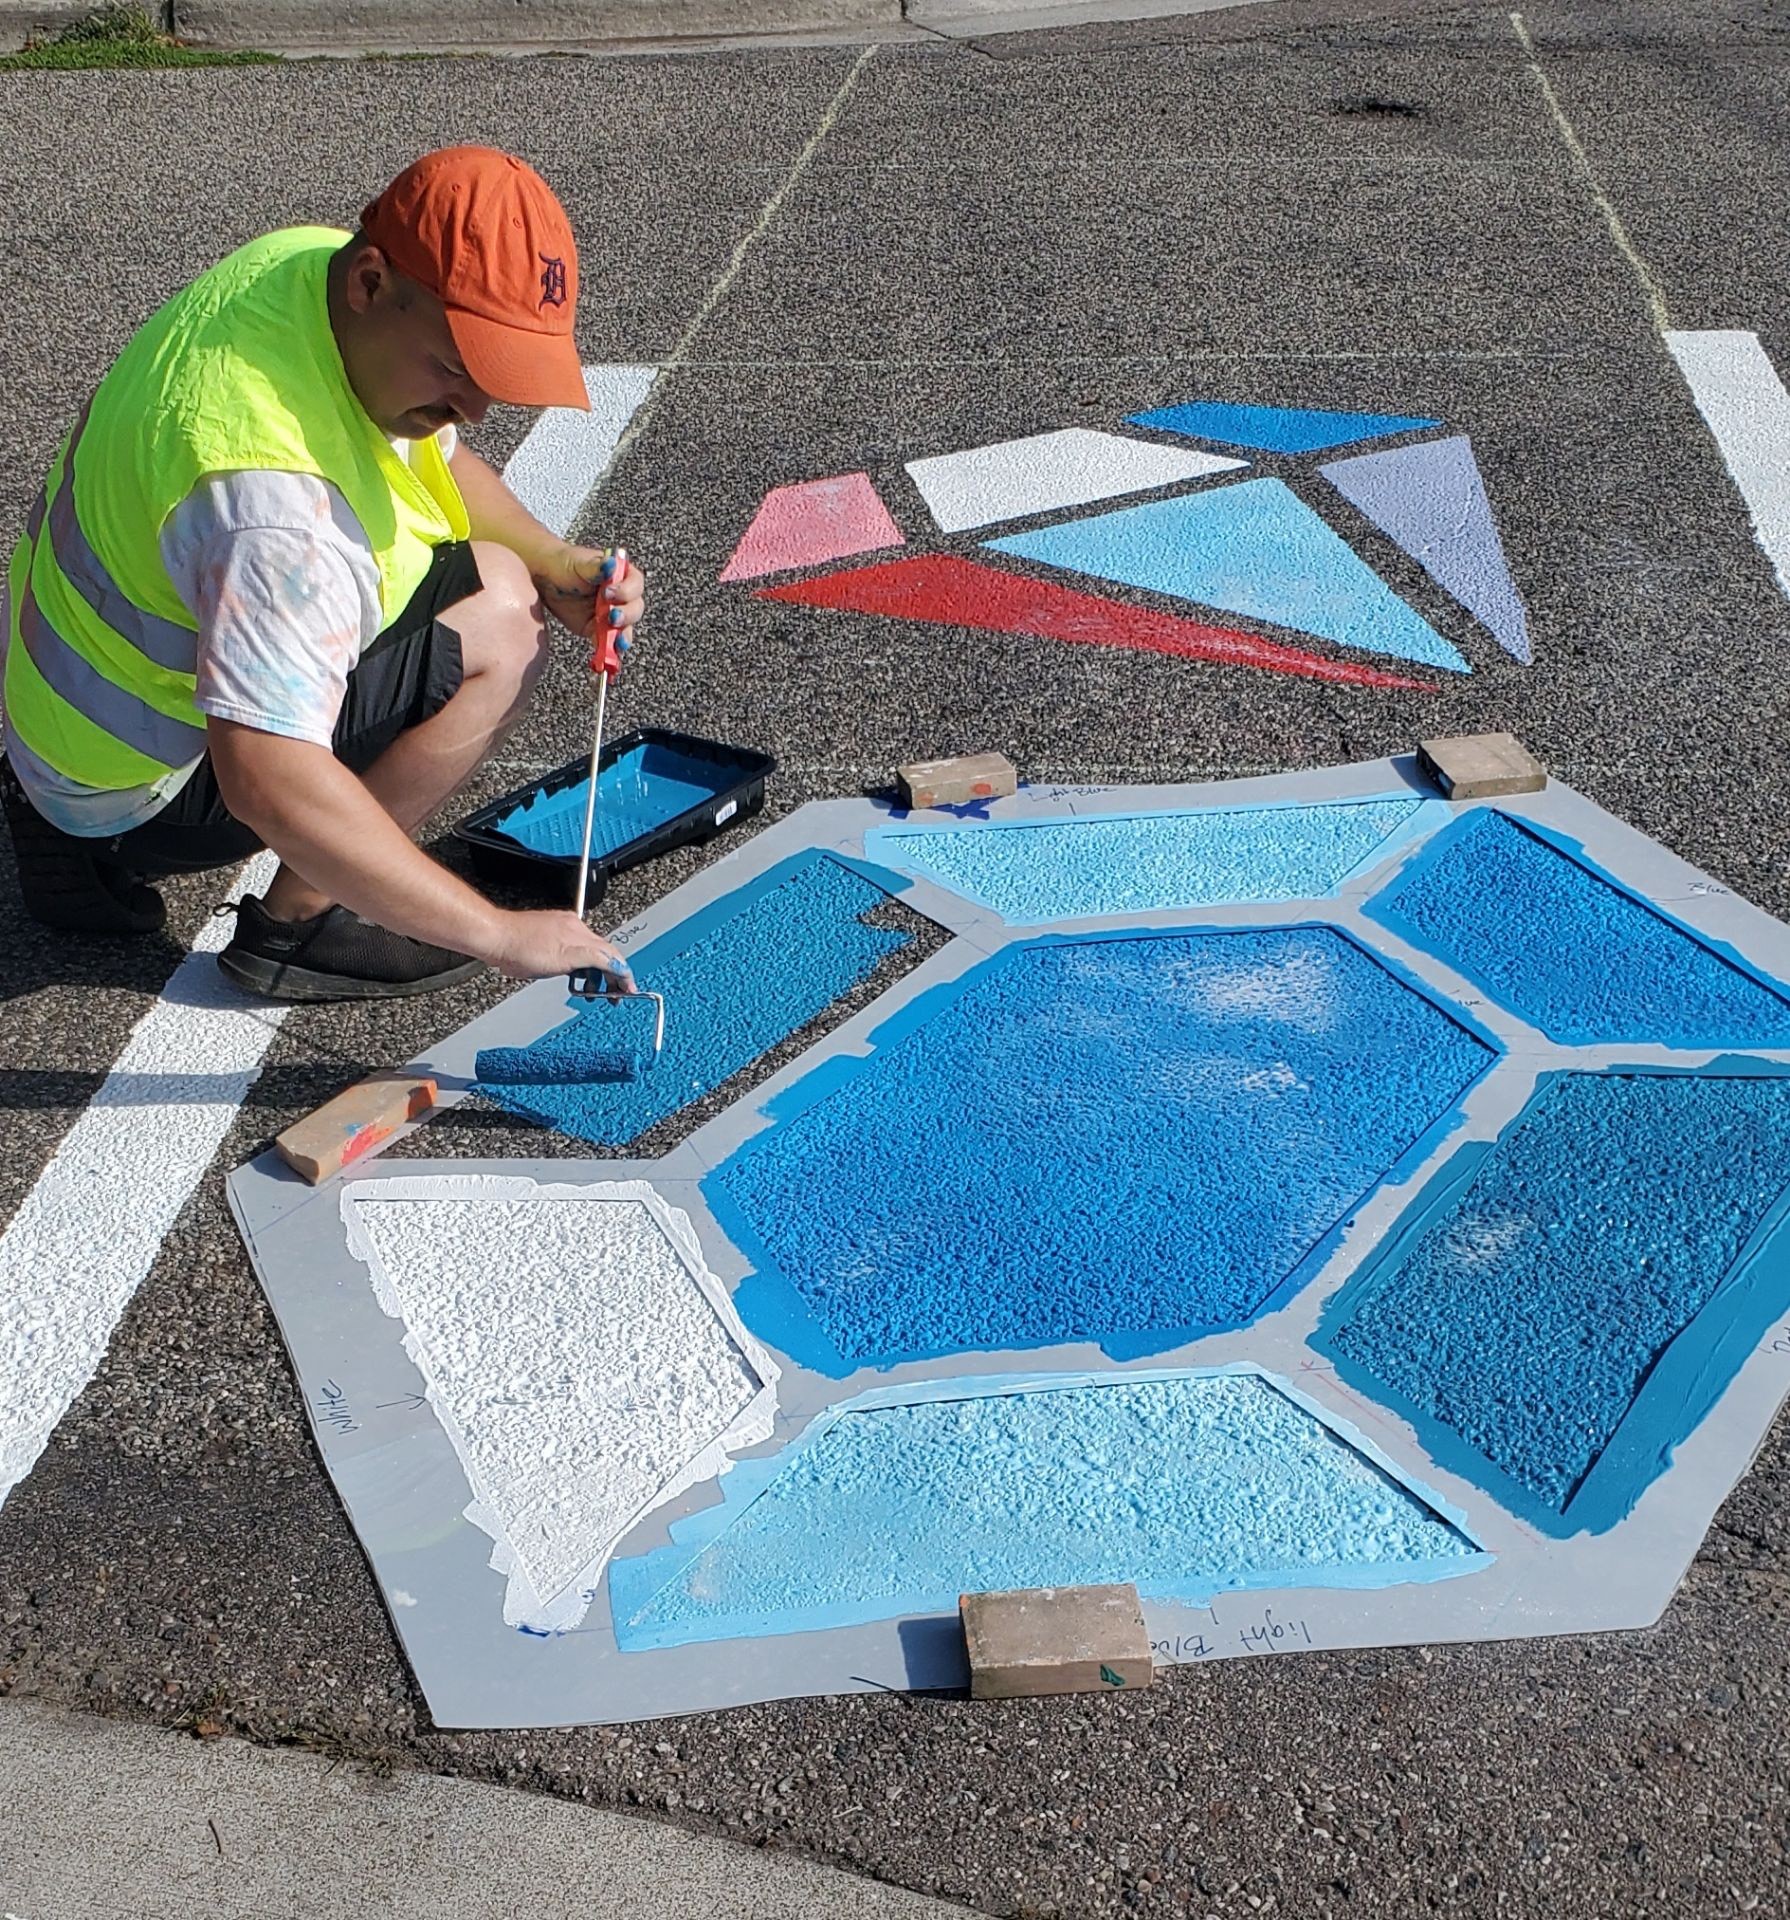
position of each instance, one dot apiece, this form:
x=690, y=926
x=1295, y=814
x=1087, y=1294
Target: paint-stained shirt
x=282, y=581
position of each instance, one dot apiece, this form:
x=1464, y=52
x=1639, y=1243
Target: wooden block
x=1479, y=766
x=353, y=1123
x=951, y=783
x=1055, y=1640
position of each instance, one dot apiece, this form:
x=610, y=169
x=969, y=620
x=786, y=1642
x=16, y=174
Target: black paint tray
x=680, y=789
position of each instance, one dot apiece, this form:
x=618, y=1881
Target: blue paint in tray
x=1255, y=549
x=1030, y=872
x=1129, y=1139
x=1189, y=1485
x=1566, y=949
x=1276, y=429
x=1563, y=1307
x=738, y=978
x=643, y=789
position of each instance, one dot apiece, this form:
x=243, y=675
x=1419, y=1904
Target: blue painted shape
x=1078, y=869
x=1190, y=1486
x=1562, y=1308
x=1431, y=500
x=1126, y=1138
x=1566, y=949
x=1254, y=549
x=1277, y=429
x=737, y=979
x=643, y=789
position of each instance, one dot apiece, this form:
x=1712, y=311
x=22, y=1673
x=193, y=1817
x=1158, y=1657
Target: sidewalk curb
x=107, y=1820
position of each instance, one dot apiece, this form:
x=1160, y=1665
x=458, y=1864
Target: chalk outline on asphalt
x=1738, y=392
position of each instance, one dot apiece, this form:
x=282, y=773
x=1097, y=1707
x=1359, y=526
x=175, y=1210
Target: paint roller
x=571, y=1053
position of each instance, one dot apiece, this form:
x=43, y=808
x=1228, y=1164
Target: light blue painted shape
x=1566, y=949
x=738, y=978
x=1277, y=429
x=1431, y=500
x=1081, y=869
x=1130, y=1139
x=641, y=790
x=1254, y=549
x=1189, y=1485
x=1562, y=1308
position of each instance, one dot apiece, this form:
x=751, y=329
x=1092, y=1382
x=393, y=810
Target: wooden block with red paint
x=1481, y=766
x=956, y=783
x=1056, y=1640
x=351, y=1125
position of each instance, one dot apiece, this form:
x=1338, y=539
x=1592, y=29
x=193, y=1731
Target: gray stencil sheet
x=383, y=1424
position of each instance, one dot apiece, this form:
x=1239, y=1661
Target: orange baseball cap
x=482, y=231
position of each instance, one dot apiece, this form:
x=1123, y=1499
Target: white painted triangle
x=1046, y=471
x=568, y=452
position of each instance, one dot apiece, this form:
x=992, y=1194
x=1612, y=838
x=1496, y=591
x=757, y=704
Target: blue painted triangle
x=1431, y=500
x=1254, y=549
x=1276, y=429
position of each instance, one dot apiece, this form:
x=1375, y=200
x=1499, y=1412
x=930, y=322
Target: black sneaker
x=70, y=883
x=334, y=956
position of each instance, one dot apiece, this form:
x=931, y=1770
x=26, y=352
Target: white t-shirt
x=281, y=578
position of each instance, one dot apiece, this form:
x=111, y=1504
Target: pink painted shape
x=810, y=522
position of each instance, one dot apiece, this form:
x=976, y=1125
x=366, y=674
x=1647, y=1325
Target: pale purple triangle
x=1431, y=500
x=810, y=522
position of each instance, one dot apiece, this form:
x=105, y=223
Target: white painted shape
x=567, y=452
x=1739, y=394
x=579, y=1354
x=1046, y=471
x=90, y=1228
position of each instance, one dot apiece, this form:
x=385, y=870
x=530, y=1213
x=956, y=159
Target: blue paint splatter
x=735, y=984
x=1276, y=429
x=1116, y=1139
x=641, y=790
x=1254, y=549
x=1525, y=1308
x=1080, y=869
x=1189, y=1487
x=1567, y=950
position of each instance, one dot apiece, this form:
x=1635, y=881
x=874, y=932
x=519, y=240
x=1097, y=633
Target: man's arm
x=496, y=513
x=569, y=578
x=323, y=823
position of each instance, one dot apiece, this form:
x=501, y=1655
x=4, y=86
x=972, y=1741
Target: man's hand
x=580, y=590
x=539, y=944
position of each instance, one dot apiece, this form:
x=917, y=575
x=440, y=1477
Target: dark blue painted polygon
x=1535, y=1309
x=1276, y=429
x=1124, y=1140
x=1567, y=950
x=737, y=979
x=1431, y=500
x=1254, y=548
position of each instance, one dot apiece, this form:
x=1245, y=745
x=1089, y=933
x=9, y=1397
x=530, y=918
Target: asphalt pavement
x=1311, y=204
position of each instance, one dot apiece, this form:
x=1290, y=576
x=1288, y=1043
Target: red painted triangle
x=959, y=593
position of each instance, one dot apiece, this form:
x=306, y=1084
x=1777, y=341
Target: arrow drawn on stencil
x=410, y=1402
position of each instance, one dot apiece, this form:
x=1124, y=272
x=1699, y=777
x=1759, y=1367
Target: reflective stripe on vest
x=94, y=697
x=165, y=642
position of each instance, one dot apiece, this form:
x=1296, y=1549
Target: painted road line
x=90, y=1229
x=1744, y=403
x=767, y=215
x=567, y=452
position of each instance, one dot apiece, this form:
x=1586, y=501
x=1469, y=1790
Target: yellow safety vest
x=239, y=372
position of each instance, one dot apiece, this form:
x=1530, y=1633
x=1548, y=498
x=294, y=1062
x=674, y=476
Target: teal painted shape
x=1033, y=871
x=1277, y=429
x=1189, y=1485
x=1254, y=549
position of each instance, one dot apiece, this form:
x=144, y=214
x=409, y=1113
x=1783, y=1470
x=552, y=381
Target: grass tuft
x=117, y=36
